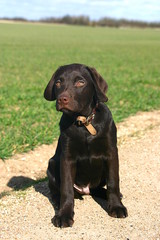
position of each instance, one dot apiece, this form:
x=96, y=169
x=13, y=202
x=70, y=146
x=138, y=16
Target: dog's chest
x=90, y=158
x=89, y=171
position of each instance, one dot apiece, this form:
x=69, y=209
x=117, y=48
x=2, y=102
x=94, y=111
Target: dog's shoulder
x=103, y=113
x=104, y=122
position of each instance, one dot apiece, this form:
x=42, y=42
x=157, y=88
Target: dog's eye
x=58, y=83
x=80, y=83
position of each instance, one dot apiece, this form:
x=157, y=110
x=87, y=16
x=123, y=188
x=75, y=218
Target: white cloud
x=106, y=3
x=35, y=9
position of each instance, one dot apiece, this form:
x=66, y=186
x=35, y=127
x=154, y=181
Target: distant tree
x=80, y=20
x=85, y=21
x=19, y=19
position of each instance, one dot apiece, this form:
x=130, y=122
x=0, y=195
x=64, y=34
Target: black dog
x=86, y=157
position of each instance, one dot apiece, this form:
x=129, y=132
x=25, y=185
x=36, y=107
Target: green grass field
x=128, y=59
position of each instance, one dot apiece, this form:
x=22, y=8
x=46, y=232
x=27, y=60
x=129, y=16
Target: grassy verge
x=128, y=59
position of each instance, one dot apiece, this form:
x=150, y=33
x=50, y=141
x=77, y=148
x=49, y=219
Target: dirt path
x=27, y=214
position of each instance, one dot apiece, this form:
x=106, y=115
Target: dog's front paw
x=62, y=221
x=118, y=211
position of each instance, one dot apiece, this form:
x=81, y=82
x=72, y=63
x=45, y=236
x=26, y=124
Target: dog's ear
x=99, y=84
x=49, y=91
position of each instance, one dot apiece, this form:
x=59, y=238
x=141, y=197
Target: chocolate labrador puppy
x=86, y=157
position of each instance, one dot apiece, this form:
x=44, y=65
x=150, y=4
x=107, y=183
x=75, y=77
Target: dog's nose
x=63, y=100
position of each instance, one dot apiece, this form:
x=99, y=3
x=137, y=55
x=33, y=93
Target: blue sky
x=145, y=10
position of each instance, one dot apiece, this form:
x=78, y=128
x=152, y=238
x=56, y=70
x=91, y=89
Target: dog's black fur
x=81, y=158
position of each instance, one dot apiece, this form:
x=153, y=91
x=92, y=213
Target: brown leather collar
x=87, y=122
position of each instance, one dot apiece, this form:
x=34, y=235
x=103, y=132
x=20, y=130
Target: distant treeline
x=85, y=21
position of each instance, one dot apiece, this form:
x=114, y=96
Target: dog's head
x=76, y=88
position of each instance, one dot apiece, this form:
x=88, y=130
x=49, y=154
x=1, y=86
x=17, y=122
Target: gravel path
x=26, y=214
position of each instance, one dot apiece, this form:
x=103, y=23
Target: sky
x=143, y=10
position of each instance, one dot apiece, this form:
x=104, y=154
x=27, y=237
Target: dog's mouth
x=68, y=111
x=64, y=109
